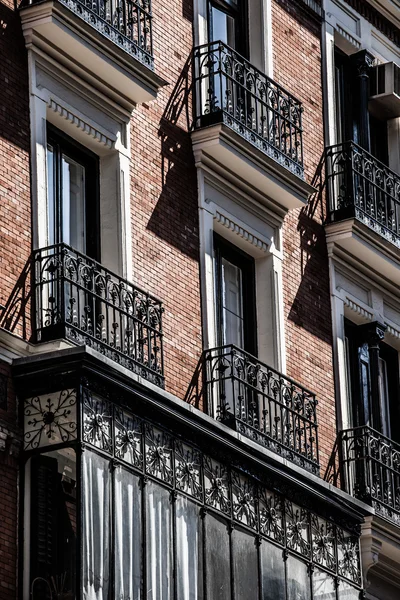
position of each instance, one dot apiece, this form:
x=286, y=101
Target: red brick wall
x=8, y=490
x=15, y=213
x=297, y=66
x=164, y=197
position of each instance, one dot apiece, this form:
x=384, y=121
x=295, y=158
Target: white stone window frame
x=364, y=300
x=228, y=211
x=97, y=123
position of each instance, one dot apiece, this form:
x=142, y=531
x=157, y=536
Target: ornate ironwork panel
x=368, y=467
x=259, y=402
x=77, y=298
x=127, y=23
x=50, y=419
x=230, y=90
x=187, y=475
x=360, y=186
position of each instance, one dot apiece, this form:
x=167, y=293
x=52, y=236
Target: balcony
x=248, y=124
x=240, y=391
x=77, y=299
x=111, y=40
x=367, y=466
x=363, y=208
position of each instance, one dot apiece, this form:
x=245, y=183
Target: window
x=73, y=204
x=373, y=376
x=227, y=23
x=235, y=287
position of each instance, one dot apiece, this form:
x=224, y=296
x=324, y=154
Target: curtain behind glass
x=189, y=550
x=158, y=543
x=128, y=535
x=95, y=526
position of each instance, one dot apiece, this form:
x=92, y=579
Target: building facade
x=200, y=300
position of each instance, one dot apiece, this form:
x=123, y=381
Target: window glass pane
x=128, y=535
x=73, y=203
x=298, y=581
x=348, y=592
x=232, y=304
x=272, y=572
x=53, y=523
x=188, y=550
x=384, y=397
x=96, y=526
x=159, y=543
x=51, y=198
x=222, y=27
x=217, y=557
x=245, y=565
x=323, y=586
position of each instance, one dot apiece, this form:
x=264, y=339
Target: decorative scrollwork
x=128, y=432
x=271, y=516
x=297, y=529
x=50, y=419
x=158, y=449
x=250, y=103
x=99, y=309
x=323, y=542
x=361, y=186
x=216, y=485
x=188, y=470
x=259, y=402
x=97, y=421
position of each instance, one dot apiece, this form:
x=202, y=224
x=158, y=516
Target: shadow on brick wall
x=311, y=306
x=175, y=216
x=15, y=316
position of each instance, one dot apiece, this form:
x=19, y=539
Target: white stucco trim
x=57, y=96
x=226, y=211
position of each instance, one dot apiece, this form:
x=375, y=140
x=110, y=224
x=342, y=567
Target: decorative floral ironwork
x=95, y=307
x=323, y=539
x=128, y=432
x=187, y=470
x=361, y=186
x=243, y=500
x=231, y=90
x=260, y=402
x=158, y=448
x=271, y=516
x=97, y=421
x=348, y=556
x=369, y=469
x=50, y=419
x=127, y=23
x=297, y=529
x=240, y=498
x=216, y=485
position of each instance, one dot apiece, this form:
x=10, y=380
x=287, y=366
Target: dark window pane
x=217, y=557
x=245, y=565
x=189, y=550
x=96, y=527
x=53, y=523
x=272, y=572
x=128, y=535
x=159, y=542
x=298, y=580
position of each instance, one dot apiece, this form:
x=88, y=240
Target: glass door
x=72, y=184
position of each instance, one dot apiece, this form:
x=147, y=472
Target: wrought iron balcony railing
x=78, y=299
x=230, y=90
x=360, y=186
x=366, y=464
x=262, y=404
x=127, y=23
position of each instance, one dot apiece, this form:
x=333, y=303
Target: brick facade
x=165, y=227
